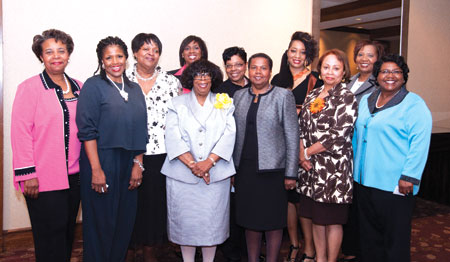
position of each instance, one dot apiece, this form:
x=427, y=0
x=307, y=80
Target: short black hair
x=58, y=35
x=140, y=39
x=200, y=43
x=311, y=48
x=199, y=67
x=395, y=58
x=234, y=50
x=262, y=55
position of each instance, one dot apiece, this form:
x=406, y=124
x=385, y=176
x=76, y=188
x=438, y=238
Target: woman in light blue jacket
x=390, y=143
x=200, y=135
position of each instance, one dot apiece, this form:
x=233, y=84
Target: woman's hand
x=31, y=188
x=99, y=181
x=306, y=164
x=136, y=177
x=201, y=169
x=289, y=184
x=405, y=187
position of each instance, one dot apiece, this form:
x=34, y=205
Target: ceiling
x=381, y=19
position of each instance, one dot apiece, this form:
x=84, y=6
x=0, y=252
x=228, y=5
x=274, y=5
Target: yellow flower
x=317, y=105
x=223, y=101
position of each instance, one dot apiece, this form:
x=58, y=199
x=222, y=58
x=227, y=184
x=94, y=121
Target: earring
x=320, y=77
x=103, y=66
x=305, y=64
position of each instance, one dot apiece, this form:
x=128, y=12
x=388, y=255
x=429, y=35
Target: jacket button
x=200, y=157
x=200, y=130
x=200, y=144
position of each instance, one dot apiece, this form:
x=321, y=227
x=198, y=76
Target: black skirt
x=151, y=218
x=261, y=199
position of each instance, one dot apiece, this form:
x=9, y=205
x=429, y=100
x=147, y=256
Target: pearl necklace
x=67, y=84
x=121, y=91
x=143, y=78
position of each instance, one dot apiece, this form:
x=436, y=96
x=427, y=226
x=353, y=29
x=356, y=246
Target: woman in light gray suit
x=365, y=54
x=200, y=135
x=266, y=154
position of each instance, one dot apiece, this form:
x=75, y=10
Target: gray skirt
x=198, y=214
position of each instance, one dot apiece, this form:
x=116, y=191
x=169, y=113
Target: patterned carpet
x=430, y=239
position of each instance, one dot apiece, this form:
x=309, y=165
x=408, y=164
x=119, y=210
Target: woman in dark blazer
x=266, y=154
x=365, y=54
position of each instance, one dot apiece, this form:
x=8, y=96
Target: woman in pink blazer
x=46, y=149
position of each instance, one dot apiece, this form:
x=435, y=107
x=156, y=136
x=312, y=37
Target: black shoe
x=289, y=257
x=304, y=256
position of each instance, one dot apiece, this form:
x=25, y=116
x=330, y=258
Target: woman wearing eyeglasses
x=200, y=134
x=390, y=143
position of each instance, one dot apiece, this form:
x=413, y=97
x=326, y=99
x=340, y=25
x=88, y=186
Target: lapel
x=201, y=113
x=369, y=83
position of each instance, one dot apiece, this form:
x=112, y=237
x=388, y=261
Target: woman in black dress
x=266, y=154
x=296, y=76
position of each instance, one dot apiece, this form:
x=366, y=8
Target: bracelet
x=141, y=166
x=214, y=162
x=305, y=154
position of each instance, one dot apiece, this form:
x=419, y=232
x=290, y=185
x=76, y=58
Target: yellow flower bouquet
x=223, y=101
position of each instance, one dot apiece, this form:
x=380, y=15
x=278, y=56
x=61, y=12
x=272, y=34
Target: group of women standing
x=153, y=165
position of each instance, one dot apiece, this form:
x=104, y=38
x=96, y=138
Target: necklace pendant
x=124, y=95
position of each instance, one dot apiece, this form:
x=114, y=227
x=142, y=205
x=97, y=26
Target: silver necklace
x=378, y=98
x=121, y=91
x=143, y=78
x=67, y=84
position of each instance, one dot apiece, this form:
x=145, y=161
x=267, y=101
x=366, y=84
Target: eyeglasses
x=394, y=72
x=237, y=66
x=202, y=76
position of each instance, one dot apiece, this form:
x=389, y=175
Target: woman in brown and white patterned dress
x=326, y=126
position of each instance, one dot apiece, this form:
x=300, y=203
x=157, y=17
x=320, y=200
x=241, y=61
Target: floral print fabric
x=330, y=180
x=165, y=88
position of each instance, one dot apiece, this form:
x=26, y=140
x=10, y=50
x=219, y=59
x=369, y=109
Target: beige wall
x=343, y=41
x=256, y=25
x=429, y=57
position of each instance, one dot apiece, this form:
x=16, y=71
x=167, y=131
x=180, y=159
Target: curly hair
x=187, y=41
x=234, y=50
x=140, y=39
x=58, y=35
x=394, y=58
x=261, y=55
x=341, y=57
x=201, y=66
x=311, y=47
x=378, y=46
x=101, y=46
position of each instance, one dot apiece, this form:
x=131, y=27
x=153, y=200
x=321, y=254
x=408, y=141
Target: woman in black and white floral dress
x=325, y=182
x=158, y=88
